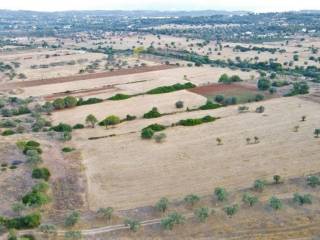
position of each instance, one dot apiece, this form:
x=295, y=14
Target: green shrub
x=8, y=132
x=171, y=220
x=156, y=127
x=221, y=194
x=70, y=102
x=191, y=199
x=230, y=101
x=231, y=210
x=78, y=126
x=111, y=120
x=33, y=144
x=196, y=121
x=105, y=213
x=258, y=97
x=119, y=96
x=224, y=78
x=35, y=199
x=134, y=225
x=41, y=173
x=259, y=185
x=62, y=127
x=147, y=133
x=302, y=199
x=219, y=98
x=275, y=203
x=7, y=124
x=162, y=204
x=130, y=117
x=30, y=151
x=208, y=118
x=190, y=122
x=89, y=101
x=152, y=114
x=92, y=120
x=58, y=104
x=313, y=181
x=249, y=199
x=299, y=88
x=202, y=214
x=26, y=222
x=33, y=157
x=42, y=186
x=72, y=219
x=264, y=84
x=179, y=104
x=67, y=149
x=172, y=88
x=209, y=105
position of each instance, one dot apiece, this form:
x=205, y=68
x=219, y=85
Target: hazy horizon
x=163, y=5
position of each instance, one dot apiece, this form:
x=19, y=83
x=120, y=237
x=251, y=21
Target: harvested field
x=126, y=167
x=130, y=83
x=134, y=106
x=8, y=86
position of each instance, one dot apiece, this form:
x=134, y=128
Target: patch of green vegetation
x=89, y=101
x=67, y=149
x=78, y=126
x=196, y=121
x=210, y=105
x=172, y=88
x=224, y=78
x=62, y=127
x=25, y=222
x=153, y=113
x=299, y=88
x=41, y=173
x=8, y=132
x=119, y=96
x=156, y=127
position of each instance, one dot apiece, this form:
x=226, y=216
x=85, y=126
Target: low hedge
x=196, y=121
x=172, y=88
x=119, y=96
x=62, y=127
x=210, y=105
x=8, y=132
x=156, y=127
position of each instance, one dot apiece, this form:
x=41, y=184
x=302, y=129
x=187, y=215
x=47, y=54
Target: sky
x=250, y=5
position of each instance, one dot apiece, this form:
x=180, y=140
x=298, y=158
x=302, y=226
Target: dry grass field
x=114, y=167
x=136, y=106
x=122, y=170
x=136, y=83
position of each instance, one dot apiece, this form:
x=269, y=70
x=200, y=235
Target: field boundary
x=48, y=81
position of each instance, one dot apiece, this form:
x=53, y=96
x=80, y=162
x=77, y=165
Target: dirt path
x=31, y=83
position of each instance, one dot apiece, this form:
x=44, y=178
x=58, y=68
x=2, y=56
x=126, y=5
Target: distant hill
x=137, y=13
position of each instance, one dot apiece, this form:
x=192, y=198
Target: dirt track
x=8, y=86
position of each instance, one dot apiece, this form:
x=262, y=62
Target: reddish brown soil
x=217, y=87
x=31, y=83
